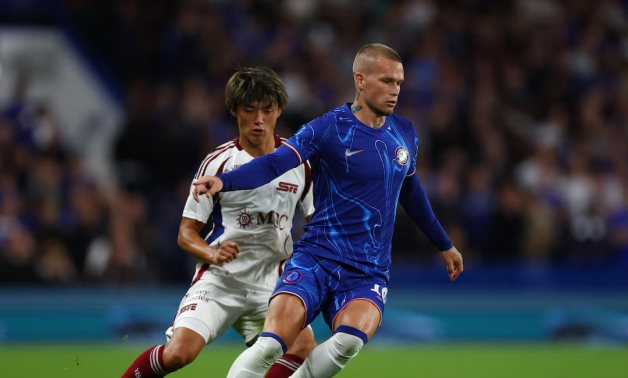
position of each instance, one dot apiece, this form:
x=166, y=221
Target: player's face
x=382, y=85
x=256, y=122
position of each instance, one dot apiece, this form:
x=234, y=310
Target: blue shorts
x=328, y=286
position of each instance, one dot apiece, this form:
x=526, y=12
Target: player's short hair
x=255, y=84
x=371, y=51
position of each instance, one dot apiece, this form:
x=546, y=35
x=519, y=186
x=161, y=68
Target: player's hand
x=208, y=185
x=453, y=262
x=227, y=252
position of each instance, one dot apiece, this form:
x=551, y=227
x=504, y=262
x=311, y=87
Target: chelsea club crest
x=292, y=277
x=401, y=155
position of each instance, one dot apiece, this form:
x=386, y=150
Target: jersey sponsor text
x=287, y=187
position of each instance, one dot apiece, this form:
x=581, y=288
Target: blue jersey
x=359, y=175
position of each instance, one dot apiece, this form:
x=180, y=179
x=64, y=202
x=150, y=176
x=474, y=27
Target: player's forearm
x=259, y=171
x=192, y=243
x=417, y=206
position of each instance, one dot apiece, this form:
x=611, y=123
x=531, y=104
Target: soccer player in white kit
x=240, y=261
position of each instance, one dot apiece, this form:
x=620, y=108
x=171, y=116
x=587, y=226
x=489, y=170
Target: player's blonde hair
x=255, y=84
x=367, y=54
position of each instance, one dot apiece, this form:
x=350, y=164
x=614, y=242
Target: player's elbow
x=183, y=240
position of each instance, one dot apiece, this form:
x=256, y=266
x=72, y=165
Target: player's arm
x=251, y=175
x=191, y=242
x=417, y=206
x=262, y=170
x=306, y=202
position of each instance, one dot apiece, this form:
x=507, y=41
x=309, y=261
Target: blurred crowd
x=521, y=108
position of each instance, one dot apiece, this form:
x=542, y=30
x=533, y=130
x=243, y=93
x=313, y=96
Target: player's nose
x=259, y=117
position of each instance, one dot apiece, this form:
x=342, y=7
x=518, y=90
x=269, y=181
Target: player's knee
x=177, y=355
x=268, y=348
x=346, y=344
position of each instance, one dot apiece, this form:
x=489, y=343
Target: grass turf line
x=428, y=361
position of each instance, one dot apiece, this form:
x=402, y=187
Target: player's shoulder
x=332, y=115
x=218, y=157
x=228, y=144
x=340, y=110
x=402, y=122
x=305, y=166
x=224, y=151
x=319, y=126
x=406, y=128
x=225, y=146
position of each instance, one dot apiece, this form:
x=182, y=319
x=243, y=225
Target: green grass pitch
x=427, y=361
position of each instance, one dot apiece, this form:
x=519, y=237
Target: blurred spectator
x=618, y=232
x=508, y=227
x=18, y=254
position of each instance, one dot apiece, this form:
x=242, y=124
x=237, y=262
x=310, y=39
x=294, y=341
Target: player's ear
x=359, y=80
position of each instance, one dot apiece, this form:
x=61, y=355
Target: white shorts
x=213, y=304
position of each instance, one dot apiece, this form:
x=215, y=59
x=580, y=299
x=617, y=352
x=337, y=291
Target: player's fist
x=453, y=262
x=208, y=185
x=227, y=252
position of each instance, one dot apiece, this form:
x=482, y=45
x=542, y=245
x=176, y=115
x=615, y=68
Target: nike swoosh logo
x=348, y=152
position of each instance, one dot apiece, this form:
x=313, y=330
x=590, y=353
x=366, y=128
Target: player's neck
x=257, y=150
x=368, y=118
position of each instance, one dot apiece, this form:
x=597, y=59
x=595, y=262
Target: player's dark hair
x=255, y=84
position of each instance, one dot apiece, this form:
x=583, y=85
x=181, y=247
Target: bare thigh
x=285, y=317
x=361, y=314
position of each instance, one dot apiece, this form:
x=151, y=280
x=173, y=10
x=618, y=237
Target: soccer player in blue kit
x=363, y=161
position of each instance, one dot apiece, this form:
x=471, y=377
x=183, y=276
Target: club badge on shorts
x=292, y=277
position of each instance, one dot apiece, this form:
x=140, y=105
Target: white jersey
x=260, y=220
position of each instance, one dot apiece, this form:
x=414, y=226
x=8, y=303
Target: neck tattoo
x=356, y=108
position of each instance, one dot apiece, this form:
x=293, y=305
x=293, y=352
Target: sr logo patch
x=292, y=277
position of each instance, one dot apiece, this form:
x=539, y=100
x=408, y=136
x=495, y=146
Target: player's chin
x=386, y=111
x=257, y=138
x=257, y=134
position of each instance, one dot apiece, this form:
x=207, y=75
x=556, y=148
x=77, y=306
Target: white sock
x=255, y=361
x=330, y=357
